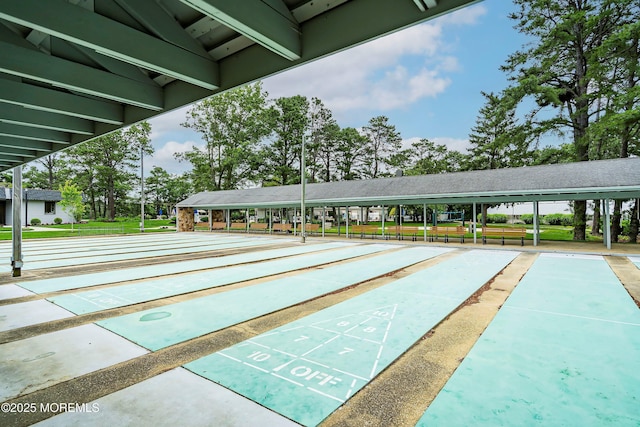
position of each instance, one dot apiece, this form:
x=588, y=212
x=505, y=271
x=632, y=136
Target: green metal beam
x=17, y=152
x=77, y=25
x=47, y=135
x=42, y=119
x=155, y=19
x=60, y=102
x=70, y=75
x=30, y=144
x=267, y=22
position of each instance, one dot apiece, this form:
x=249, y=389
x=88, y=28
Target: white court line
x=353, y=384
x=318, y=346
x=375, y=364
x=256, y=367
x=325, y=394
x=350, y=374
x=571, y=315
x=287, y=379
x=229, y=357
x=315, y=363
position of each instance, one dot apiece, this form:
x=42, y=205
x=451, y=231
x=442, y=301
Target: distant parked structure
x=41, y=204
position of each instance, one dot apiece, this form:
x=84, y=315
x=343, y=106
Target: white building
x=41, y=204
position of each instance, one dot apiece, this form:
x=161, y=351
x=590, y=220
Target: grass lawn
x=91, y=228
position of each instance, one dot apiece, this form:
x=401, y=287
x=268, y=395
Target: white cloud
x=165, y=156
x=371, y=75
x=168, y=122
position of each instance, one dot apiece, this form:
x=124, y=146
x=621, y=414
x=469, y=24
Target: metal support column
x=346, y=222
x=384, y=214
x=324, y=208
x=16, y=227
x=303, y=184
x=424, y=220
x=607, y=224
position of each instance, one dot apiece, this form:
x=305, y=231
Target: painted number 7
x=346, y=350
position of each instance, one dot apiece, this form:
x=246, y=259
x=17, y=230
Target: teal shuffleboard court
x=136, y=273
x=307, y=369
x=564, y=350
x=635, y=260
x=202, y=247
x=158, y=328
x=127, y=294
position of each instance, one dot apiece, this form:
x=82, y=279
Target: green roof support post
x=384, y=214
x=607, y=224
x=474, y=225
x=536, y=235
x=16, y=227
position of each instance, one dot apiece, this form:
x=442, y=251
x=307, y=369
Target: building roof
x=33, y=194
x=617, y=178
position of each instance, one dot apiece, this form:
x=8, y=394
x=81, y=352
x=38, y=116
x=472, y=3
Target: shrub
x=57, y=220
x=204, y=218
x=35, y=221
x=559, y=219
x=527, y=218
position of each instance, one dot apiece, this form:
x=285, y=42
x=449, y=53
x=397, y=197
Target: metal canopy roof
x=603, y=179
x=72, y=70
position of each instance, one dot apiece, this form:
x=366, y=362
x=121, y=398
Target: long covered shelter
x=602, y=179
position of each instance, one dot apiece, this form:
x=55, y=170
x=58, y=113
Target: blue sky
x=427, y=79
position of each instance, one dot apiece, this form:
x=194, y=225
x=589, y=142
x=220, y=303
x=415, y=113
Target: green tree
x=71, y=202
x=232, y=125
x=107, y=166
x=496, y=139
x=556, y=68
x=383, y=140
x=427, y=157
x=288, y=119
x=322, y=144
x=350, y=150
x=51, y=171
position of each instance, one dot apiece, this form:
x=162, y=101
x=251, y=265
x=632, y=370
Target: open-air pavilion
x=604, y=179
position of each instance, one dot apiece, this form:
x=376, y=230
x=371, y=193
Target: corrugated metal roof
x=617, y=178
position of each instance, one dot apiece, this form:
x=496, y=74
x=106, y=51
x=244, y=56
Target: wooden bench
x=401, y=230
x=508, y=233
x=218, y=225
x=282, y=227
x=436, y=231
x=238, y=226
x=363, y=229
x=312, y=228
x=259, y=226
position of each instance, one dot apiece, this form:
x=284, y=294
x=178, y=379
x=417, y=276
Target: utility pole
x=141, y=189
x=303, y=181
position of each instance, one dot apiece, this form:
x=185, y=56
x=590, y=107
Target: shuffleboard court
x=174, y=398
x=127, y=294
x=158, y=328
x=39, y=362
x=635, y=260
x=561, y=351
x=13, y=291
x=139, y=254
x=307, y=369
x=14, y=316
x=136, y=273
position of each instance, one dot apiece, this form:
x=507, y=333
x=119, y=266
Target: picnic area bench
x=363, y=229
x=259, y=226
x=436, y=231
x=238, y=226
x=508, y=233
x=218, y=225
x=402, y=230
x=311, y=228
x=282, y=227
